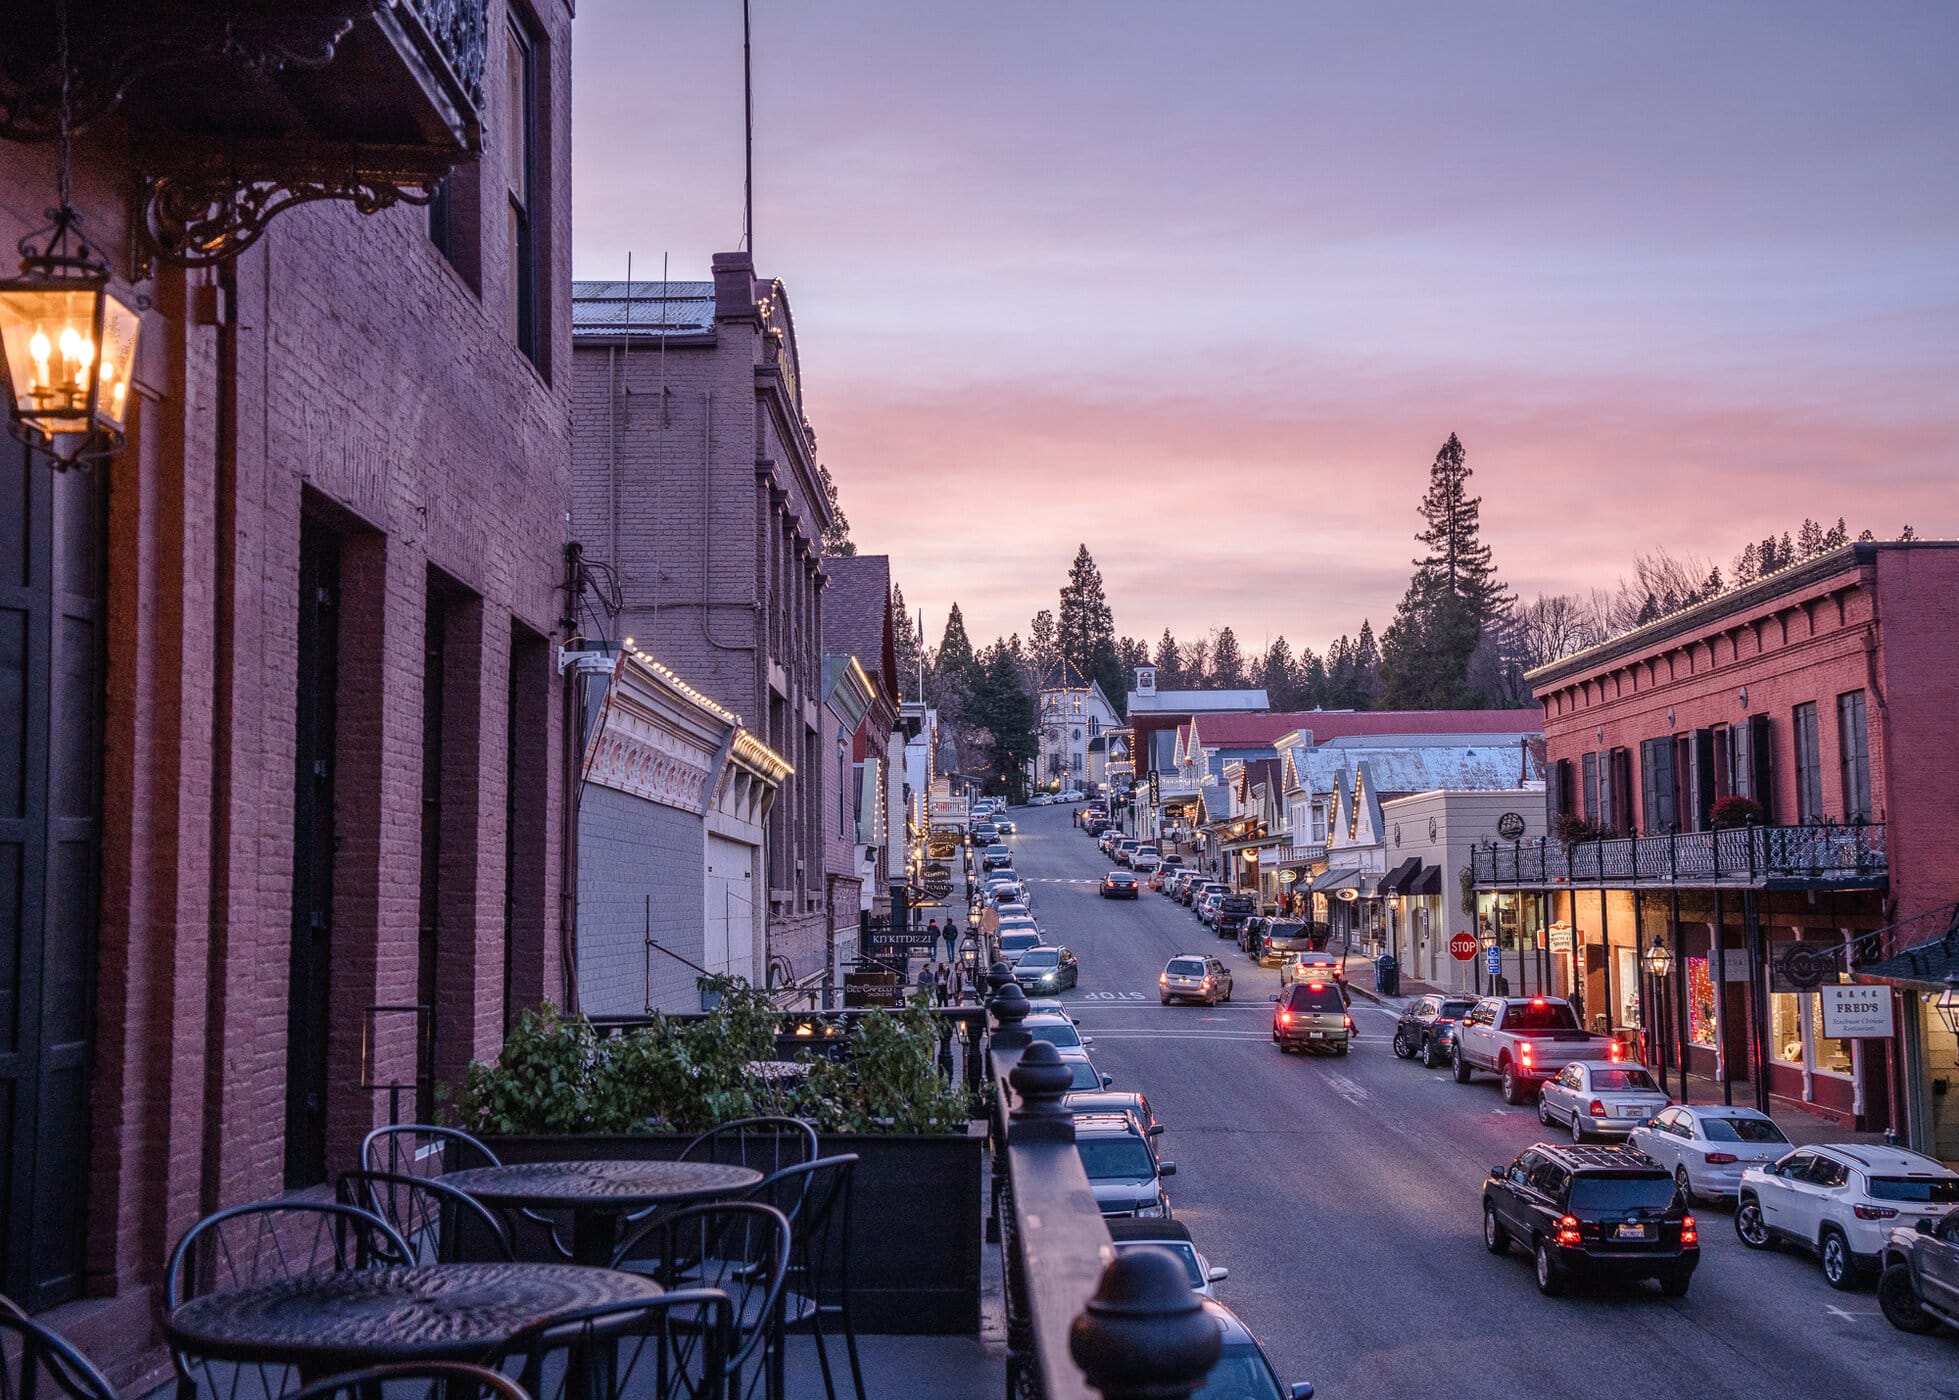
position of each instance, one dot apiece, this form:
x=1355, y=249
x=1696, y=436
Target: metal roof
x=1397, y=771
x=653, y=309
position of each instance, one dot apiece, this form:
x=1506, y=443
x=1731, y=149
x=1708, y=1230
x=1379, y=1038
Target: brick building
x=695, y=491
x=280, y=733
x=1815, y=705
x=858, y=624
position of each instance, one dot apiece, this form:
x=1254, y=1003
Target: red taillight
x=1568, y=1230
x=1285, y=1018
x=1689, y=1233
x=1315, y=986
x=1616, y=1052
x=1349, y=1020
x=1597, y=1109
x=1874, y=1212
x=1721, y=1159
x=1205, y=983
x=1537, y=1001
x=1527, y=1052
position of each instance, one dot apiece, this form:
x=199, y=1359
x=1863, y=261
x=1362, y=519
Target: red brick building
x=279, y=722
x=696, y=487
x=1822, y=695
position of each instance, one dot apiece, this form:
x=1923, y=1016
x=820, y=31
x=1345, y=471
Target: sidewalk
x=1805, y=1128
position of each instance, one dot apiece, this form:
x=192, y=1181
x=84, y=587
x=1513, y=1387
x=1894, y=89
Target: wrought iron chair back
x=423, y=1149
x=441, y=1224
x=765, y=1144
x=37, y=1363
x=446, y=1380
x=673, y=1347
x=257, y=1243
x=816, y=1199
x=742, y=1248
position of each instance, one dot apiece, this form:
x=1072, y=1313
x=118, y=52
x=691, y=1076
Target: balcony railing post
x=1040, y=1080
x=1145, y=1335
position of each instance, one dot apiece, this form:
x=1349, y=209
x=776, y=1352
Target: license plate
x=1634, y=1111
x=1629, y=1232
x=1316, y=1035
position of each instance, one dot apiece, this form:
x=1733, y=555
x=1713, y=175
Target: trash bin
x=1387, y=975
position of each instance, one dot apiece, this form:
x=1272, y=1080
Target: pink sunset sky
x=1205, y=284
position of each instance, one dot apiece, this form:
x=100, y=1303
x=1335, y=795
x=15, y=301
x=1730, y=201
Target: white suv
x=1841, y=1201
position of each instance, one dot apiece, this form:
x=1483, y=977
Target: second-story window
x=1809, y=765
x=521, y=182
x=1853, y=744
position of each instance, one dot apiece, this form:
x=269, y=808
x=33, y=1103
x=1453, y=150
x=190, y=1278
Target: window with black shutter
x=1701, y=789
x=1622, y=789
x=1656, y=785
x=1589, y=767
x=1809, y=764
x=1853, y=746
x=1761, y=748
x=1741, y=761
x=1605, y=792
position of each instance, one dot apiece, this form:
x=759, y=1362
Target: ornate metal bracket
x=202, y=215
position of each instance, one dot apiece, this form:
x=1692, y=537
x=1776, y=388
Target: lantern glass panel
x=120, y=325
x=48, y=333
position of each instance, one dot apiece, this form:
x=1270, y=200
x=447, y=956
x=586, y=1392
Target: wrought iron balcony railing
x=1758, y=857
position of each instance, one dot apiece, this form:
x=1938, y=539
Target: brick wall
x=357, y=378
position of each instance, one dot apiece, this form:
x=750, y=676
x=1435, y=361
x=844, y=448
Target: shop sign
x=1510, y=826
x=1286, y=877
x=1856, y=1013
x=1561, y=938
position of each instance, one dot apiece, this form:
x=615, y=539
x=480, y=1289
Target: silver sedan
x=1709, y=1146
x=1600, y=1097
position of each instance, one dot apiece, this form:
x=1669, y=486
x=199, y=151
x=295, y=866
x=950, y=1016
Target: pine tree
x=953, y=672
x=1839, y=535
x=1278, y=675
x=1131, y=653
x=1169, y=662
x=1340, y=674
x=836, y=535
x=1001, y=714
x=1312, y=681
x=908, y=645
x=1714, y=584
x=1866, y=536
x=1907, y=535
x=1041, y=643
x=1454, y=593
x=1748, y=565
x=1809, y=539
x=1086, y=629
x=1785, y=552
x=1195, y=662
x=1227, y=664
x=1367, y=667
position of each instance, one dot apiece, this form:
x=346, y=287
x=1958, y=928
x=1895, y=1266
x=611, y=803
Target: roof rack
x=1613, y=1155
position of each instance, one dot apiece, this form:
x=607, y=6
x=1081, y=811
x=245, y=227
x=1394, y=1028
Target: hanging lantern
x=1659, y=961
x=69, y=344
x=1947, y=1004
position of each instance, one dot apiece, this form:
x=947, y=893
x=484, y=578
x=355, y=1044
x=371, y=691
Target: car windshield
x=1185, y=1251
x=1613, y=1193
x=1240, y=1374
x=1055, y=1032
x=1316, y=996
x=1041, y=957
x=1115, y=1158
x=1018, y=941
x=1915, y=1188
x=1741, y=1130
x=1609, y=1080
x=1540, y=1016
x=1085, y=1075
x=1187, y=967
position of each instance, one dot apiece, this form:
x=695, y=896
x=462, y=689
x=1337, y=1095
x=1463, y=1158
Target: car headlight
x=1154, y=1212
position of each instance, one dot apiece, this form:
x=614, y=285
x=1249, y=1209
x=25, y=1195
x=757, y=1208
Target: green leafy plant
x=1571, y=828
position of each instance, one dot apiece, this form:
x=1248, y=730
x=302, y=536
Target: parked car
x=1176, y=884
x=1006, y=891
x=1525, y=1040
x=1174, y=1236
x=1233, y=910
x=1070, y=795
x=1020, y=923
x=1136, y=1106
x=1600, y=1098
x=1279, y=938
x=1041, y=799
x=1194, y=977
x=1082, y=1072
x=1123, y=1169
x=1591, y=1212
x=1157, y=877
x=1919, y=1287
x=1708, y=1146
x=1144, y=860
x=1311, y=1016
x=1313, y=967
x=1056, y=1028
x=1207, y=906
x=1013, y=909
x=997, y=858
x=1422, y=1031
x=1242, y=1371
x=1840, y=1201
x=1047, y=969
x=1119, y=884
x=1014, y=942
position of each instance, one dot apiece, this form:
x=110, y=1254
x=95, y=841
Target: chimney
x=734, y=287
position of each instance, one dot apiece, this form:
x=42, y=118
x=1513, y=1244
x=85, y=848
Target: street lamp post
x=1659, y=962
x=1947, y=1004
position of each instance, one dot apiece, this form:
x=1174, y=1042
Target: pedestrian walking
x=951, y=936
x=943, y=981
x=932, y=934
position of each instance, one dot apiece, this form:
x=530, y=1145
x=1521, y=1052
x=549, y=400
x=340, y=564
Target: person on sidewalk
x=943, y=980
x=932, y=936
x=950, y=933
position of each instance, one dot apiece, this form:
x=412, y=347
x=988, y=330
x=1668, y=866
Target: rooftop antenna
x=748, y=138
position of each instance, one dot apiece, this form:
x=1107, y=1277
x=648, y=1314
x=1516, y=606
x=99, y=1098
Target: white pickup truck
x=1526, y=1040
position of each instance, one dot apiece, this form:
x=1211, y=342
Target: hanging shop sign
x=1856, y=1013
x=1510, y=826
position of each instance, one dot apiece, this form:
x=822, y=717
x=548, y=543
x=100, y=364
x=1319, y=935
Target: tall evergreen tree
x=1453, y=595
x=1131, y=652
x=836, y=535
x=1194, y=662
x=1041, y=644
x=1907, y=535
x=1085, y=631
x=1168, y=661
x=1001, y=719
x=1367, y=667
x=1227, y=663
x=908, y=645
x=1809, y=539
x=1278, y=675
x=953, y=672
x=1311, y=694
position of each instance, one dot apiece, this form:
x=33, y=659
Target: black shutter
x=1703, y=788
x=1622, y=789
x=1761, y=744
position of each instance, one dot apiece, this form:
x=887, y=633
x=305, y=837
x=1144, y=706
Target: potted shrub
x=1734, y=810
x=561, y=1090
x=1570, y=828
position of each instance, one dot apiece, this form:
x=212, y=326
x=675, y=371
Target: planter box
x=915, y=1227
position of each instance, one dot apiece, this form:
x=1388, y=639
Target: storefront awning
x=1927, y=965
x=1396, y=880
x=1334, y=881
x=1251, y=843
x=1426, y=883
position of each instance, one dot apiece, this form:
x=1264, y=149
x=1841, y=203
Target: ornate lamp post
x=1659, y=962
x=69, y=345
x=1947, y=1004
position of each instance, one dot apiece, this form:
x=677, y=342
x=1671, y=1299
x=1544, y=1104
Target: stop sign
x=1462, y=947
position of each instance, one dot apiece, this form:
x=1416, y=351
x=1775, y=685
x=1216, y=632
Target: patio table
x=326, y=1323
x=598, y=1193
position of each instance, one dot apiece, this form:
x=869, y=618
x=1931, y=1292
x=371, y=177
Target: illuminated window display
x=1700, y=1002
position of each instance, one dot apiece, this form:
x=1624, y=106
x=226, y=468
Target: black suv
x=1423, y=1030
x=1592, y=1212
x=1233, y=911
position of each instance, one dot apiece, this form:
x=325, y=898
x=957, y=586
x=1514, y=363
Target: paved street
x=1343, y=1195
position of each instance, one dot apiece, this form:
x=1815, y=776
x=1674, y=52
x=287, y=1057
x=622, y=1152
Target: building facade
x=1758, y=782
x=283, y=717
x=1070, y=713
x=697, y=504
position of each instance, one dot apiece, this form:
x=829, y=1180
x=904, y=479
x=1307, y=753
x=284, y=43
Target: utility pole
x=748, y=136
